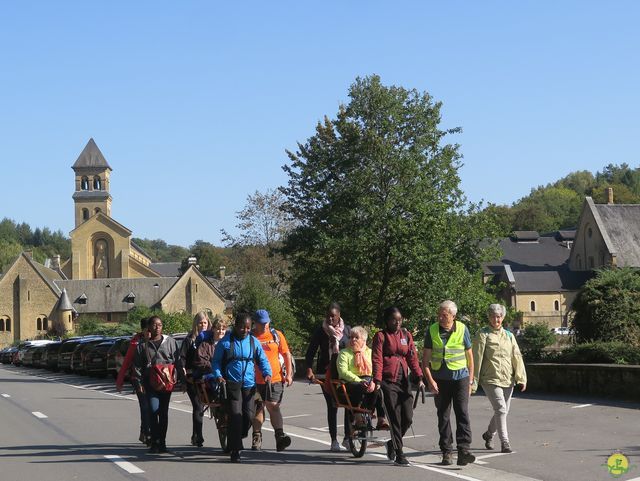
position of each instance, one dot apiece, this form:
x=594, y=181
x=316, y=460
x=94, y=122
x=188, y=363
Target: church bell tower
x=92, y=184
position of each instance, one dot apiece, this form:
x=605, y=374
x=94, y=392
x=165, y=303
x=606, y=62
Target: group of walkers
x=255, y=365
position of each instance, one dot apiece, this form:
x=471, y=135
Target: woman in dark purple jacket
x=393, y=354
x=328, y=339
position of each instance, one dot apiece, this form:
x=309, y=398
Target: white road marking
x=296, y=416
x=126, y=465
x=492, y=455
x=5, y=395
x=39, y=415
x=581, y=406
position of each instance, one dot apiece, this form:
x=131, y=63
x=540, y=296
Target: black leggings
x=332, y=417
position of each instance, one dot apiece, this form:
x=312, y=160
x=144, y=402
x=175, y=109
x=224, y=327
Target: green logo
x=618, y=465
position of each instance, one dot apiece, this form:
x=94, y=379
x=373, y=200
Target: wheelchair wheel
x=221, y=425
x=222, y=436
x=357, y=439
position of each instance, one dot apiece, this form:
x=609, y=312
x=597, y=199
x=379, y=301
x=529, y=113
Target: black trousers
x=456, y=393
x=196, y=416
x=241, y=406
x=398, y=402
x=332, y=417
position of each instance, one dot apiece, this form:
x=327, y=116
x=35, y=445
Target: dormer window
x=82, y=299
x=131, y=298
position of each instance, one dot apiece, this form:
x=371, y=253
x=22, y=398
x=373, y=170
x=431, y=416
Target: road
x=64, y=427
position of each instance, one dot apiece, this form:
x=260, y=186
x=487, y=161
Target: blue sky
x=194, y=103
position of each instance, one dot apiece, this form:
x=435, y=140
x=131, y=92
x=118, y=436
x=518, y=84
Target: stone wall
x=609, y=380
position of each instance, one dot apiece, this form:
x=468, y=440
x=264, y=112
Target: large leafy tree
x=380, y=215
x=607, y=307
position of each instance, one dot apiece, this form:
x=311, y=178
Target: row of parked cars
x=91, y=355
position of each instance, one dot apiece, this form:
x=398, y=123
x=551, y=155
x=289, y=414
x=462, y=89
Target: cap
x=262, y=316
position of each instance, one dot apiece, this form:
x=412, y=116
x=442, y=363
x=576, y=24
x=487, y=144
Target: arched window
x=556, y=305
x=533, y=306
x=97, y=183
x=85, y=214
x=84, y=183
x=1, y=324
x=39, y=324
x=98, y=209
x=45, y=323
x=7, y=324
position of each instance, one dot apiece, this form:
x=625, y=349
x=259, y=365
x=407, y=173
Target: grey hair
x=497, y=309
x=360, y=331
x=450, y=306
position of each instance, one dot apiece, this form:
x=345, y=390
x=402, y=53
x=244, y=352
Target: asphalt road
x=65, y=427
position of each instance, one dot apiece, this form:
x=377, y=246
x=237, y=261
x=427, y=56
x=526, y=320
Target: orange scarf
x=360, y=360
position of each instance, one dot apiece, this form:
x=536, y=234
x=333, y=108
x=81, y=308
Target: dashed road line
x=581, y=406
x=5, y=395
x=39, y=415
x=492, y=455
x=126, y=465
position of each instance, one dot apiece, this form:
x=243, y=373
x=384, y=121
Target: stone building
x=106, y=276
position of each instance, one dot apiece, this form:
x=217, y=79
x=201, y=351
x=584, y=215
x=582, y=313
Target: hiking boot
x=335, y=446
x=401, y=460
x=282, y=442
x=488, y=440
x=390, y=451
x=447, y=458
x=235, y=456
x=256, y=441
x=506, y=447
x=382, y=424
x=465, y=457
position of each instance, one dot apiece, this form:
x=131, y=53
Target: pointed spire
x=91, y=157
x=64, y=304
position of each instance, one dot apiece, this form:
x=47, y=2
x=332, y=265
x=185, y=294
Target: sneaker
x=488, y=440
x=256, y=441
x=506, y=447
x=465, y=457
x=143, y=437
x=335, y=446
x=390, y=451
x=382, y=424
x=282, y=442
x=193, y=440
x=447, y=458
x=235, y=456
x=345, y=443
x=401, y=460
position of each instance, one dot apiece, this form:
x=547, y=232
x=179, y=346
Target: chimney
x=221, y=272
x=192, y=260
x=55, y=262
x=609, y=195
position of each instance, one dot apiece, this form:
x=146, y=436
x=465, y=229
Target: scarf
x=335, y=334
x=360, y=360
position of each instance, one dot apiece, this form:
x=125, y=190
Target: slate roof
x=166, y=269
x=538, y=266
x=91, y=157
x=622, y=224
x=64, y=304
x=109, y=295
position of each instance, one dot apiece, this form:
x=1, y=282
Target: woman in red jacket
x=394, y=353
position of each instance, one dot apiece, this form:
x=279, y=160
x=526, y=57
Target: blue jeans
x=158, y=403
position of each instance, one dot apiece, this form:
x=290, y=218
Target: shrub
x=614, y=352
x=534, y=339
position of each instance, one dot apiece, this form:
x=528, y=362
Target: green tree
x=9, y=250
x=535, y=338
x=607, y=307
x=209, y=258
x=621, y=194
x=548, y=209
x=380, y=215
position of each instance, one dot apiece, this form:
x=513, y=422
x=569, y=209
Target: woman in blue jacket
x=233, y=363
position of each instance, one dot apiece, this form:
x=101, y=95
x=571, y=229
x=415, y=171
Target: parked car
x=115, y=355
x=561, y=331
x=50, y=355
x=95, y=357
x=6, y=355
x=79, y=353
x=38, y=352
x=25, y=348
x=65, y=353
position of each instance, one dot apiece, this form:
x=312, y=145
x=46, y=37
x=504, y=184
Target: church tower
x=92, y=184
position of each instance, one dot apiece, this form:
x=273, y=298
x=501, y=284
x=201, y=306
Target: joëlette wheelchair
x=213, y=397
x=361, y=432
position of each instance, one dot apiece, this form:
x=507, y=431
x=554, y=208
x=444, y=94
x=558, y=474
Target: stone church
x=106, y=276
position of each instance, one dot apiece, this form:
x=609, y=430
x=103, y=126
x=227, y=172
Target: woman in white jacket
x=499, y=366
